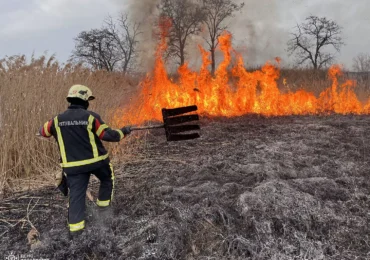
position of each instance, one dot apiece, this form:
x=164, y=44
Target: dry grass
x=318, y=81
x=32, y=93
x=250, y=188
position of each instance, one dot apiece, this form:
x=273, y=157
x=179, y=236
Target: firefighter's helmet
x=81, y=92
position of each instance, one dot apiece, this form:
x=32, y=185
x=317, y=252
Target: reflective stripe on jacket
x=79, y=133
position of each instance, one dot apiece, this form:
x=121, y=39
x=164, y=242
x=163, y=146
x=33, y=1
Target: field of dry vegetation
x=250, y=188
x=34, y=91
x=30, y=94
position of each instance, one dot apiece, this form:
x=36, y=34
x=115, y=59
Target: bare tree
x=96, y=48
x=216, y=11
x=361, y=63
x=186, y=17
x=125, y=35
x=111, y=48
x=311, y=39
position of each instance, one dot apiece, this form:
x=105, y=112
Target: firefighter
x=79, y=134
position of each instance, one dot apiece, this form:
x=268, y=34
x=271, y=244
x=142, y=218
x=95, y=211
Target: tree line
x=115, y=45
x=315, y=42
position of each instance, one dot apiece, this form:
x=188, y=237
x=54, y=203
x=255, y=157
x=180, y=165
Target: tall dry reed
x=32, y=93
x=317, y=81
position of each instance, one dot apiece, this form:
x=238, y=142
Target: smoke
x=261, y=30
x=258, y=32
x=145, y=12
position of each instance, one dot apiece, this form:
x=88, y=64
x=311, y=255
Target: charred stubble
x=250, y=188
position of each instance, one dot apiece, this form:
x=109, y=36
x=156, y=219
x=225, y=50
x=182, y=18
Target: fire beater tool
x=174, y=123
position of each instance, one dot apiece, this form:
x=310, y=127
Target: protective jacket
x=78, y=133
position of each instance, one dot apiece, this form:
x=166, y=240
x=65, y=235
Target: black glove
x=126, y=130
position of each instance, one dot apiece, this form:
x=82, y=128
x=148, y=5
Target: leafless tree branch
x=312, y=38
x=361, y=63
x=215, y=13
x=186, y=17
x=111, y=48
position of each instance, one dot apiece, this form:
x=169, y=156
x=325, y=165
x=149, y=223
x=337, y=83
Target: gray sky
x=261, y=31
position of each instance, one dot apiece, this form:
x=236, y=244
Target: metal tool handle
x=133, y=128
x=146, y=127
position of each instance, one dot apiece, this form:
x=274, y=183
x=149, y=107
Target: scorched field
x=251, y=187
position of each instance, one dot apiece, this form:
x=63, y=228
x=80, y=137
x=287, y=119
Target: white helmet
x=81, y=92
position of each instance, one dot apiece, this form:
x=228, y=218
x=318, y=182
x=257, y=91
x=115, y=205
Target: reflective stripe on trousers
x=77, y=227
x=106, y=203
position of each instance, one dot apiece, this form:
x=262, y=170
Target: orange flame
x=234, y=91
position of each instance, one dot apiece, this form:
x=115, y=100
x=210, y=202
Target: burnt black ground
x=250, y=188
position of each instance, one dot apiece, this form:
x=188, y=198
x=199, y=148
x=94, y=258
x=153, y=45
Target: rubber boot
x=75, y=235
x=105, y=215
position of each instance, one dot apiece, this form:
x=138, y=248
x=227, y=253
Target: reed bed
x=33, y=91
